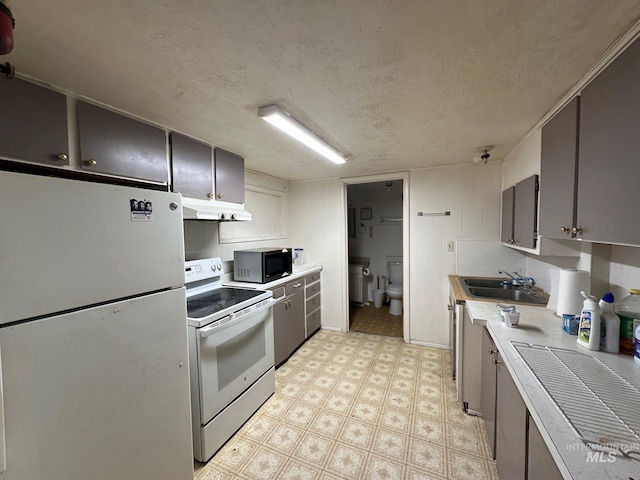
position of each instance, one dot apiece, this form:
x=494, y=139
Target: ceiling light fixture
x=289, y=125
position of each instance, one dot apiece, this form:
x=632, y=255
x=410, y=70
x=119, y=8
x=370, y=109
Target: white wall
x=472, y=194
x=316, y=224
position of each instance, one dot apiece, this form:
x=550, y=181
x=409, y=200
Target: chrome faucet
x=516, y=280
x=525, y=282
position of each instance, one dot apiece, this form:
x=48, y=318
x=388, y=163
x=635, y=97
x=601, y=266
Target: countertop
x=298, y=272
x=538, y=325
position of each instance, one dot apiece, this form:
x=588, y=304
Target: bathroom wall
x=374, y=239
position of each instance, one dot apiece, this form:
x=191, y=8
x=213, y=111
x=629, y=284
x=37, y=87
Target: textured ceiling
x=395, y=84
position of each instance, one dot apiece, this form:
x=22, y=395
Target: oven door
x=231, y=355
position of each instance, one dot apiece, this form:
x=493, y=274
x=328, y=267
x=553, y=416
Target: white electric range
x=231, y=354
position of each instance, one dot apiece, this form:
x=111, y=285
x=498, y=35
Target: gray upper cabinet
x=609, y=166
x=558, y=170
x=192, y=167
x=508, y=197
x=229, y=176
x=525, y=213
x=33, y=126
x=114, y=144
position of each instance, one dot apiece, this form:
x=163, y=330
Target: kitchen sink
x=495, y=289
x=488, y=282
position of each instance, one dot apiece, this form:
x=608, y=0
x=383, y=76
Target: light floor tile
x=358, y=406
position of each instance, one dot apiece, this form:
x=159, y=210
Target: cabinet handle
x=210, y=194
x=491, y=351
x=495, y=361
x=449, y=307
x=565, y=230
x=91, y=162
x=576, y=231
x=220, y=195
x=62, y=156
x=297, y=285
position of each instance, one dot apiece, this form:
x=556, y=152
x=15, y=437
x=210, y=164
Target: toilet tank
x=395, y=271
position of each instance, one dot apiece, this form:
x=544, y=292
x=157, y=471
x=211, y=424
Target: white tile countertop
x=540, y=326
x=298, y=272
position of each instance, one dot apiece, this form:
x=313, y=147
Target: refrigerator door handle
x=3, y=448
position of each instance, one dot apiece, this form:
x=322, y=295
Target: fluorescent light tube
x=289, y=125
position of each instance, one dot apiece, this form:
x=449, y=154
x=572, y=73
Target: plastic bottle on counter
x=589, y=328
x=609, y=325
x=628, y=309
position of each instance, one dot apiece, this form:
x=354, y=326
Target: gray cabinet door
x=525, y=213
x=488, y=389
x=229, y=169
x=540, y=464
x=280, y=323
x=511, y=432
x=33, y=125
x=508, y=197
x=558, y=172
x=609, y=166
x=192, y=167
x=289, y=325
x=118, y=145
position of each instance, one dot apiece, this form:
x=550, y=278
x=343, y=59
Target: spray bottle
x=589, y=328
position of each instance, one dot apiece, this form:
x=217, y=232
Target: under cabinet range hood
x=196, y=209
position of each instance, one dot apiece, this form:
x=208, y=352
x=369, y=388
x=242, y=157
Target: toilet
x=394, y=286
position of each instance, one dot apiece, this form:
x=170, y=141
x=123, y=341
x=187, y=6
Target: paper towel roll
x=570, y=283
x=552, y=304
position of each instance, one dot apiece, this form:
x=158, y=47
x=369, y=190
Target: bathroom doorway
x=375, y=210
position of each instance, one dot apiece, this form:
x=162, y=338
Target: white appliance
x=231, y=354
x=93, y=343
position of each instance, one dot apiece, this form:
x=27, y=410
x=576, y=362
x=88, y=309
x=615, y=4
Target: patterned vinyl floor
x=358, y=406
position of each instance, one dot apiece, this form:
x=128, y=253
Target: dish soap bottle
x=589, y=328
x=609, y=325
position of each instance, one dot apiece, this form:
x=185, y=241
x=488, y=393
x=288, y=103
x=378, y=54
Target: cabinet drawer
x=313, y=321
x=312, y=289
x=294, y=287
x=309, y=279
x=313, y=303
x=278, y=292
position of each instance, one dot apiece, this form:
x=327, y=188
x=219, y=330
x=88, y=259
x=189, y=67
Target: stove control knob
x=219, y=266
x=223, y=216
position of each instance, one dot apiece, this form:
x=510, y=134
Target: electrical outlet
x=450, y=246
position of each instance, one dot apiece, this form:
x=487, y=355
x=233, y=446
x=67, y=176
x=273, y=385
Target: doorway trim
x=406, y=258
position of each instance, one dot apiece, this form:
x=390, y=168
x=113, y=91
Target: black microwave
x=262, y=265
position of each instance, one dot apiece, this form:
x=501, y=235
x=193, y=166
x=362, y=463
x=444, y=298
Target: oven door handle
x=235, y=318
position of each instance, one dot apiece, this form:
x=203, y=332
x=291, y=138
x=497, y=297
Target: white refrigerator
x=94, y=380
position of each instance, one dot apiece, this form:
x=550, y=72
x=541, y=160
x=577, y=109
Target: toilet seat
x=395, y=287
